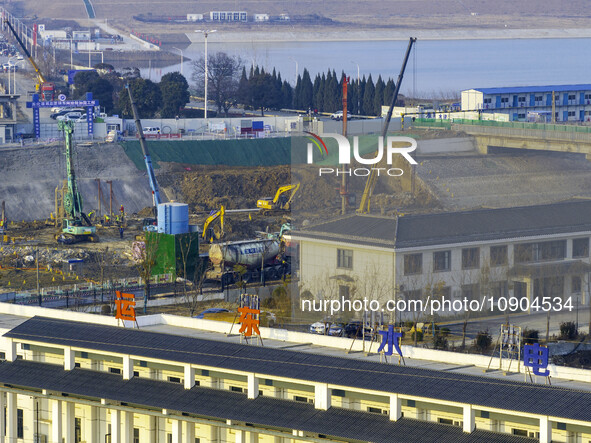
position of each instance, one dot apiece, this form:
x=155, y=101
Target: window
x=136, y=373
x=571, y=97
x=169, y=438
x=520, y=432
x=499, y=289
x=344, y=258
x=470, y=292
x=115, y=370
x=374, y=410
x=20, y=430
x=488, y=100
x=504, y=99
x=136, y=435
x=539, y=98
x=571, y=113
x=441, y=261
x=580, y=247
x=236, y=389
x=542, y=251
x=77, y=429
x=587, y=96
x=521, y=99
x=174, y=379
x=300, y=399
x=413, y=264
x=498, y=255
x=344, y=292
x=445, y=421
x=575, y=285
x=470, y=258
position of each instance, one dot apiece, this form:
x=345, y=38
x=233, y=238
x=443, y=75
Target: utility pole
x=37, y=260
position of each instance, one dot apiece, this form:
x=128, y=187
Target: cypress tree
x=378, y=101
x=368, y=97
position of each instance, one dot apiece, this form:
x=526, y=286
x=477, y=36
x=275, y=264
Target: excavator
x=43, y=87
x=208, y=234
x=281, y=202
x=76, y=226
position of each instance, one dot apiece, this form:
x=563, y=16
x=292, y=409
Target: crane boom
x=151, y=176
x=38, y=72
x=371, y=180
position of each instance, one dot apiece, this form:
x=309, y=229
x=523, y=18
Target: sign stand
x=509, y=344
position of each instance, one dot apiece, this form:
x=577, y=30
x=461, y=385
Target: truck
x=248, y=260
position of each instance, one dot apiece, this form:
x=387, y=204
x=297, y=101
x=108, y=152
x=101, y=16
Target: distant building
x=532, y=103
x=81, y=35
x=194, y=17
x=228, y=16
x=261, y=17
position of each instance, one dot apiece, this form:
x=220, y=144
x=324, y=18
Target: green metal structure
x=76, y=226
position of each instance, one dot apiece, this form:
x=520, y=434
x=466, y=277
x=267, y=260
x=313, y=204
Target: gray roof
x=387, y=378
x=456, y=227
x=220, y=404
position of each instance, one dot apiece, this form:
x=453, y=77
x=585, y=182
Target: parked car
x=355, y=329
x=339, y=115
x=69, y=116
x=151, y=130
x=336, y=330
x=317, y=328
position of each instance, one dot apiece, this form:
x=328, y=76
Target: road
x=535, y=321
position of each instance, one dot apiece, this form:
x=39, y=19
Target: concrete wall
x=446, y=145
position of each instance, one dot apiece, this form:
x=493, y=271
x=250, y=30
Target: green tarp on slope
x=256, y=152
x=253, y=152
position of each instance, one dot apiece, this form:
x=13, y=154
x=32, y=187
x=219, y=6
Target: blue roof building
x=533, y=103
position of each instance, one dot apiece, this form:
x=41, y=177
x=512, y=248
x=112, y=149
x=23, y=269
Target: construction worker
x=107, y=220
x=121, y=231
x=91, y=215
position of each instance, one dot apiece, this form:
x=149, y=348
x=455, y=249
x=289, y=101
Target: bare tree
x=223, y=75
x=147, y=260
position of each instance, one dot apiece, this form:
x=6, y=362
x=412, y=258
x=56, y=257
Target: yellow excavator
x=281, y=202
x=208, y=234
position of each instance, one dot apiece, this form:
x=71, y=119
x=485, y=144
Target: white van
x=151, y=130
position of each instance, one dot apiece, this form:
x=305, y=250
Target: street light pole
x=182, y=58
x=205, y=33
x=297, y=70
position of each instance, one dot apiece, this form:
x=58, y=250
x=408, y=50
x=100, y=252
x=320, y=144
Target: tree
x=306, y=99
x=263, y=92
x=243, y=88
x=148, y=255
x=102, y=90
x=286, y=95
x=483, y=341
x=389, y=92
x=175, y=94
x=223, y=79
x=147, y=97
x=368, y=97
x=82, y=80
x=568, y=330
x=378, y=100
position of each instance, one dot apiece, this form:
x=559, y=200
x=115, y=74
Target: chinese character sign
x=390, y=339
x=249, y=319
x=536, y=357
x=125, y=306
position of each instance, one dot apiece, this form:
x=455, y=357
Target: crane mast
x=371, y=180
x=147, y=159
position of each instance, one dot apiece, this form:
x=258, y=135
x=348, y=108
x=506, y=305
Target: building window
x=571, y=113
x=488, y=100
x=115, y=370
x=521, y=99
x=344, y=293
x=542, y=251
x=345, y=258
x=174, y=379
x=300, y=399
x=575, y=285
x=136, y=435
x=471, y=292
x=470, y=258
x=236, y=389
x=77, y=429
x=441, y=261
x=504, y=99
x=571, y=97
x=445, y=421
x=415, y=294
x=499, y=289
x=169, y=438
x=580, y=247
x=520, y=432
x=413, y=264
x=20, y=429
x=539, y=98
x=374, y=410
x=498, y=255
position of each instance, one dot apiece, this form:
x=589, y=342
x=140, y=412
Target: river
x=436, y=68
